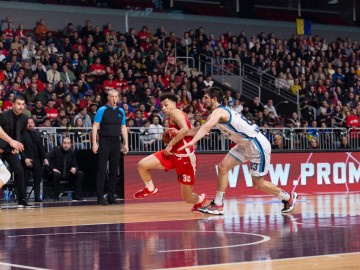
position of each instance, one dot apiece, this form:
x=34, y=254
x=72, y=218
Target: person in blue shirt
x=110, y=121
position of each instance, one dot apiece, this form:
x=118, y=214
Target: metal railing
x=140, y=140
x=263, y=79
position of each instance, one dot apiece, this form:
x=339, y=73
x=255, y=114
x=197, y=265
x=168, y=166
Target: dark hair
x=215, y=92
x=18, y=98
x=169, y=96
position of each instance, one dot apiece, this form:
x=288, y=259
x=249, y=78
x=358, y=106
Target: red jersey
x=185, y=139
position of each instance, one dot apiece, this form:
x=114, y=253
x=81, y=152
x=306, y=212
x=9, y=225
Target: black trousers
x=109, y=150
x=37, y=171
x=76, y=179
x=16, y=167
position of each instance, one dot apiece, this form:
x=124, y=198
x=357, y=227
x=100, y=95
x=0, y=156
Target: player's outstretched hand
x=18, y=146
x=186, y=145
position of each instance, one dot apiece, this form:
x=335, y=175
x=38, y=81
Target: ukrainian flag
x=303, y=27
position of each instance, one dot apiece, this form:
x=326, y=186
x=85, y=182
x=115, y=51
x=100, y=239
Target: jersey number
x=253, y=166
x=186, y=178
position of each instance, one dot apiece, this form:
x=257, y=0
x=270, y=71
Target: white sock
x=219, y=199
x=201, y=198
x=284, y=196
x=150, y=185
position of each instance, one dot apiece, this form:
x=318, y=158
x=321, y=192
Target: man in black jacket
x=14, y=122
x=33, y=156
x=63, y=166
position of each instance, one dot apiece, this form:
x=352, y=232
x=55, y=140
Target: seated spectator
x=246, y=113
x=147, y=139
x=260, y=120
x=67, y=76
x=52, y=75
x=38, y=113
x=157, y=129
x=63, y=166
x=256, y=106
x=83, y=115
x=76, y=97
x=51, y=111
x=92, y=111
x=344, y=143
x=278, y=142
x=97, y=69
x=314, y=144
x=41, y=30
x=48, y=133
x=270, y=106
x=81, y=135
x=8, y=103
x=281, y=82
x=68, y=105
x=17, y=45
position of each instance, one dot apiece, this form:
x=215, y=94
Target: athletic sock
x=150, y=185
x=284, y=196
x=201, y=198
x=219, y=199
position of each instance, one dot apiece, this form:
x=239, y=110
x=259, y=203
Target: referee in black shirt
x=110, y=120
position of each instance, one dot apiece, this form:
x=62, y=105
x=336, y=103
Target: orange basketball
x=166, y=137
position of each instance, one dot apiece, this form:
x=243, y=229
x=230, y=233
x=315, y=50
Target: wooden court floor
x=323, y=232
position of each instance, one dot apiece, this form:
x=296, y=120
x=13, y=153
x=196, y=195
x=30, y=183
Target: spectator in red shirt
x=51, y=112
x=352, y=122
x=144, y=33
x=8, y=104
x=9, y=32
x=110, y=83
x=97, y=69
x=122, y=84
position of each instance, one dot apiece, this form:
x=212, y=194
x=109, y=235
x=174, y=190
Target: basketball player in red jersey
x=169, y=158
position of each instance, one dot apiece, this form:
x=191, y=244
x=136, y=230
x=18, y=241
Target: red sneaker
x=141, y=194
x=290, y=204
x=201, y=204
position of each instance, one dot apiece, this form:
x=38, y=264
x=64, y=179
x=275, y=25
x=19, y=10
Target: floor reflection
x=251, y=230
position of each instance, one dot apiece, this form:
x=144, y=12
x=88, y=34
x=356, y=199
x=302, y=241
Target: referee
x=110, y=120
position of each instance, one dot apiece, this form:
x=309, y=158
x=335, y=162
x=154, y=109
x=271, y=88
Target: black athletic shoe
x=101, y=201
x=111, y=199
x=23, y=202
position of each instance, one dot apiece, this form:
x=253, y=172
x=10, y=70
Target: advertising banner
x=305, y=173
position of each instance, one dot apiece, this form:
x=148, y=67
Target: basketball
x=166, y=136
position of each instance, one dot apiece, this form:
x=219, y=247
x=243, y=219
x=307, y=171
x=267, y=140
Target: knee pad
x=5, y=175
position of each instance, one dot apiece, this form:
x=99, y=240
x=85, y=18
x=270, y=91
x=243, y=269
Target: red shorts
x=184, y=164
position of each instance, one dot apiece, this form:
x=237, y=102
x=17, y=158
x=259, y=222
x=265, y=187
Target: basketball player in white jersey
x=251, y=145
x=17, y=147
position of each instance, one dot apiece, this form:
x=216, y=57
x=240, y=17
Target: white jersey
x=238, y=129
x=251, y=144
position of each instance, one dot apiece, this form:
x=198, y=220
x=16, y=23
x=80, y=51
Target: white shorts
x=4, y=173
x=258, y=151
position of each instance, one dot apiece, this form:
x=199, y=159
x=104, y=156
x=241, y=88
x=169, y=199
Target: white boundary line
x=265, y=238
x=22, y=266
x=237, y=265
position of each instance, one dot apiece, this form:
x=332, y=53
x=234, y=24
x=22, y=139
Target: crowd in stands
x=65, y=75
